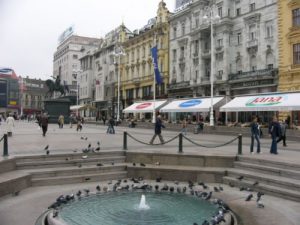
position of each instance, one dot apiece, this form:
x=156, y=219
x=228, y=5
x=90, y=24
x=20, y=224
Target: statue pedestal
x=57, y=107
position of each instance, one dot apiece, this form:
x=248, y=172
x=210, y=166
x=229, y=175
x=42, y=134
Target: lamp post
x=75, y=74
x=119, y=51
x=211, y=17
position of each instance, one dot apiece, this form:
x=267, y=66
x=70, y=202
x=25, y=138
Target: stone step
x=70, y=162
x=62, y=157
x=11, y=182
x=96, y=177
x=269, y=162
x=278, y=181
x=179, y=173
x=268, y=170
x=265, y=188
x=71, y=171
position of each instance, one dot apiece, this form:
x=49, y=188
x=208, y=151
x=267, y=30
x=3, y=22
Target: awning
x=76, y=107
x=268, y=102
x=193, y=105
x=144, y=107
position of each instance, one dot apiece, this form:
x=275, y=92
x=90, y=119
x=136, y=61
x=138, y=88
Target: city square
x=165, y=112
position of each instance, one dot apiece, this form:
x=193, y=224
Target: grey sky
x=30, y=28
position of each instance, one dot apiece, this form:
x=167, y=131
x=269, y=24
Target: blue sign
x=190, y=103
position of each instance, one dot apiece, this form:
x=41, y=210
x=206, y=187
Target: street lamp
x=119, y=51
x=75, y=74
x=211, y=17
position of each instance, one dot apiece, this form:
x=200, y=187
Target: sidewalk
x=28, y=139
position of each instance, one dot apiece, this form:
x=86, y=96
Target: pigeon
x=46, y=148
x=99, y=164
x=249, y=197
x=74, y=151
x=84, y=156
x=98, y=143
x=242, y=188
x=47, y=152
x=231, y=184
x=55, y=213
x=89, y=145
x=259, y=194
x=176, y=182
x=109, y=182
x=112, y=163
x=15, y=193
x=87, y=191
x=133, y=163
x=157, y=163
x=87, y=178
x=205, y=222
x=79, y=165
x=255, y=183
x=184, y=189
x=240, y=178
x=216, y=189
x=221, y=188
x=178, y=190
x=171, y=189
x=82, y=138
x=208, y=196
x=158, y=179
x=85, y=138
x=142, y=164
x=78, y=194
x=97, y=149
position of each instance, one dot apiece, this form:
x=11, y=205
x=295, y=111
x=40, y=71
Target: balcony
x=257, y=74
x=252, y=43
x=219, y=48
x=195, y=54
x=206, y=53
x=136, y=80
x=205, y=79
x=181, y=59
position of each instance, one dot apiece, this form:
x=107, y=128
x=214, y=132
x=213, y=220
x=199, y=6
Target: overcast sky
x=30, y=28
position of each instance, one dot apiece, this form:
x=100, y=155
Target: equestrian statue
x=55, y=86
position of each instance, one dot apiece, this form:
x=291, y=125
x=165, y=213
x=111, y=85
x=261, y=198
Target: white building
x=245, y=48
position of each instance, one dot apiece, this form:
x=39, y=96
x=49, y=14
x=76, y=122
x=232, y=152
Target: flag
x=7, y=72
x=155, y=65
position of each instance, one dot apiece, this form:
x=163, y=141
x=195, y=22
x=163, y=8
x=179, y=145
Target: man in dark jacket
x=157, y=130
x=255, y=133
x=44, y=123
x=275, y=132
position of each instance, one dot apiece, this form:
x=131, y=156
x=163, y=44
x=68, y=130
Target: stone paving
x=27, y=139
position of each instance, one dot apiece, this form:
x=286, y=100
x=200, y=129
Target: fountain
x=143, y=205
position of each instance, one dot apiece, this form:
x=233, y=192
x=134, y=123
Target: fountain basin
x=117, y=208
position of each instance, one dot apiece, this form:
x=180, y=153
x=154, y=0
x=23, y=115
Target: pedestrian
x=275, y=132
x=10, y=121
x=79, y=124
x=110, y=128
x=103, y=119
x=184, y=126
x=255, y=134
x=283, y=127
x=157, y=130
x=44, y=123
x=61, y=121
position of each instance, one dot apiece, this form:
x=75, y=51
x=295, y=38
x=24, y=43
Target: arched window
x=270, y=61
x=239, y=67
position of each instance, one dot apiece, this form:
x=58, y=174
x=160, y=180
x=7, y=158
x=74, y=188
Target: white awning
x=192, y=105
x=76, y=107
x=268, y=102
x=144, y=107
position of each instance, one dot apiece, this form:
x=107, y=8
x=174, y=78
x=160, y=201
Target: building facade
x=66, y=58
x=32, y=92
x=106, y=71
x=245, y=48
x=137, y=72
x=289, y=48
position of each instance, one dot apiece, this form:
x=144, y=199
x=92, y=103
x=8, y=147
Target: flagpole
x=154, y=84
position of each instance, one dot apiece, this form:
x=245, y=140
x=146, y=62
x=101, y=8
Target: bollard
x=5, y=146
x=240, y=144
x=125, y=140
x=180, y=143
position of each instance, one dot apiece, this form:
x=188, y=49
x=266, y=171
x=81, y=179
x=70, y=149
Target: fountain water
x=143, y=205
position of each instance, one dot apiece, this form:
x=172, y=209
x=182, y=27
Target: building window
x=197, y=22
x=174, y=32
x=270, y=66
x=296, y=52
x=182, y=52
x=174, y=55
x=239, y=38
x=219, y=42
x=252, y=7
x=75, y=56
x=238, y=11
x=220, y=12
x=269, y=31
x=183, y=29
x=296, y=17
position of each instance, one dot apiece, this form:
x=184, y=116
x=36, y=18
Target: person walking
x=10, y=121
x=283, y=127
x=157, y=130
x=44, y=123
x=255, y=134
x=61, y=121
x=110, y=128
x=184, y=126
x=275, y=132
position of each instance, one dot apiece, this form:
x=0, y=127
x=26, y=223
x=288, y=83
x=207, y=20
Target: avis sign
x=266, y=100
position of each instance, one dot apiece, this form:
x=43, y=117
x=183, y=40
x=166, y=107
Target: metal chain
x=145, y=143
x=2, y=138
x=205, y=146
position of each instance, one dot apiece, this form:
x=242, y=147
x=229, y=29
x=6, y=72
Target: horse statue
x=54, y=86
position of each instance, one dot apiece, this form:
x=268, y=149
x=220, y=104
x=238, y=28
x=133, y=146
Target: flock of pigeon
x=199, y=190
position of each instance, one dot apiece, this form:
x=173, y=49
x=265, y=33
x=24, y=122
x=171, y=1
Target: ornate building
x=289, y=47
x=137, y=73
x=245, y=48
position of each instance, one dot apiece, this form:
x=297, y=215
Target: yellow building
x=136, y=69
x=289, y=47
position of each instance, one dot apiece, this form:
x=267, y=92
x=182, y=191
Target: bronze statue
x=55, y=86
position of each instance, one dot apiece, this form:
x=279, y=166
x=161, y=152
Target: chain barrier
x=206, y=146
x=145, y=143
x=2, y=138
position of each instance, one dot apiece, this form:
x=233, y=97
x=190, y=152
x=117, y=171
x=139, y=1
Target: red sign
x=143, y=105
